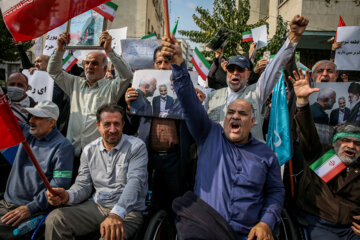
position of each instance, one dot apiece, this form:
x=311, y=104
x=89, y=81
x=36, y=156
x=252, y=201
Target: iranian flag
x=247, y=36
x=340, y=24
x=29, y=19
x=328, y=166
x=68, y=62
x=149, y=36
x=108, y=10
x=201, y=65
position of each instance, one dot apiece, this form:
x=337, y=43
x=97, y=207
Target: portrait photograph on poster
x=336, y=103
x=156, y=95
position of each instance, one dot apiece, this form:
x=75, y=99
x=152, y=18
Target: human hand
x=105, y=41
x=16, y=42
x=335, y=45
x=112, y=228
x=355, y=226
x=302, y=87
x=62, y=40
x=261, y=231
x=171, y=47
x=201, y=96
x=130, y=95
x=15, y=216
x=252, y=49
x=32, y=70
x=219, y=52
x=61, y=198
x=297, y=27
x=261, y=64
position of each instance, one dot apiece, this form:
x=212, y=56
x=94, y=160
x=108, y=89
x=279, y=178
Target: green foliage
x=8, y=50
x=227, y=15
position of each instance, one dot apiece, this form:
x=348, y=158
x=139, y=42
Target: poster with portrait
x=336, y=103
x=156, y=95
x=85, y=30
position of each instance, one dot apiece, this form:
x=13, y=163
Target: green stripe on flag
x=323, y=159
x=246, y=33
x=203, y=60
x=173, y=31
x=66, y=59
x=148, y=36
x=62, y=174
x=112, y=5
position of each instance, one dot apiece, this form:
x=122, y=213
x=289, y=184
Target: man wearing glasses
x=238, y=73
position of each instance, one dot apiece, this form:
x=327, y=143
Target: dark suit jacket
x=319, y=115
x=334, y=116
x=355, y=115
x=141, y=106
x=156, y=104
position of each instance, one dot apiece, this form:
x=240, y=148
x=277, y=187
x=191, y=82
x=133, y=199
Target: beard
x=347, y=160
x=353, y=103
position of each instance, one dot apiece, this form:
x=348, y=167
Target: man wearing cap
x=328, y=194
x=238, y=73
x=25, y=191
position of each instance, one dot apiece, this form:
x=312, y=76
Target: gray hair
x=163, y=85
x=348, y=128
x=342, y=98
x=323, y=61
x=325, y=93
x=146, y=79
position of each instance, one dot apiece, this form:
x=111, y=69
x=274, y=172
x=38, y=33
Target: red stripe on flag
x=11, y=134
x=71, y=65
x=335, y=171
x=28, y=19
x=202, y=75
x=247, y=39
x=104, y=14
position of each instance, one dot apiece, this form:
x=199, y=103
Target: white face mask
x=15, y=93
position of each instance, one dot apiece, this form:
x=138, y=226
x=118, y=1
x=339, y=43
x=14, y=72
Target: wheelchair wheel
x=160, y=227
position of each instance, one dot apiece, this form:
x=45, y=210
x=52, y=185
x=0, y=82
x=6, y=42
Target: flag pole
x=37, y=166
x=166, y=15
x=291, y=171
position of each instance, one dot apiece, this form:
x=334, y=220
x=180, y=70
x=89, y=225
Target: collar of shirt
x=117, y=147
x=50, y=135
x=232, y=95
x=163, y=99
x=98, y=83
x=250, y=139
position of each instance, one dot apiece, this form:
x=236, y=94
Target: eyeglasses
x=232, y=68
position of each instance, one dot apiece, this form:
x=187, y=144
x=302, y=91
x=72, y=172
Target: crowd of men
x=102, y=158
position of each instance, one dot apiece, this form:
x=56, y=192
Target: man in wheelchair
x=329, y=190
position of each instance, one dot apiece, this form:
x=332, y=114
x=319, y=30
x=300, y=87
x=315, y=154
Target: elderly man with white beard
x=328, y=195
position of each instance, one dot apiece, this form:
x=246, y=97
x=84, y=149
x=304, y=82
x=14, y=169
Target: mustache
x=236, y=121
x=32, y=124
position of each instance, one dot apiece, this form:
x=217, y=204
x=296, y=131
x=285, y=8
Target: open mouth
x=349, y=153
x=235, y=126
x=235, y=80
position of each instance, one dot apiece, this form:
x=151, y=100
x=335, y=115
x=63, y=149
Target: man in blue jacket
x=25, y=191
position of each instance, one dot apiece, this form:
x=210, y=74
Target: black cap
x=240, y=61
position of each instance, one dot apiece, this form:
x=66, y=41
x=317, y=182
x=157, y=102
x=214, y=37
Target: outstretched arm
x=196, y=117
x=272, y=72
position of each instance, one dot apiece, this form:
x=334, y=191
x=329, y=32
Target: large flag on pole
x=340, y=24
x=29, y=19
x=201, y=65
x=11, y=133
x=278, y=137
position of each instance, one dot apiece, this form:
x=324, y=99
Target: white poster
x=117, y=35
x=259, y=35
x=139, y=52
x=347, y=57
x=41, y=85
x=51, y=40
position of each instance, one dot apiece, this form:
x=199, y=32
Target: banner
x=41, y=85
x=29, y=19
x=347, y=57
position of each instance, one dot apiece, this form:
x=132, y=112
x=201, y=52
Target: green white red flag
x=68, y=62
x=328, y=166
x=108, y=10
x=29, y=19
x=247, y=36
x=201, y=65
x=149, y=36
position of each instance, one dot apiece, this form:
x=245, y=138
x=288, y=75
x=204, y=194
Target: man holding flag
x=329, y=195
x=25, y=191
